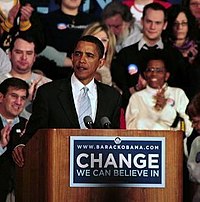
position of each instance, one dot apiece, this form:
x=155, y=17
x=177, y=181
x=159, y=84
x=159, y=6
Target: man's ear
x=165, y=25
x=144, y=75
x=1, y=97
x=9, y=54
x=72, y=58
x=101, y=62
x=35, y=56
x=142, y=21
x=167, y=76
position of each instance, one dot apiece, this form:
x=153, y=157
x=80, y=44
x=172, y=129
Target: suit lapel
x=1, y=124
x=100, y=103
x=67, y=102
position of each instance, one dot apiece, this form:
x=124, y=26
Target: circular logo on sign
x=117, y=140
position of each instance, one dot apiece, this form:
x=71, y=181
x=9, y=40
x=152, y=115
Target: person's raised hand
x=26, y=12
x=5, y=136
x=13, y=13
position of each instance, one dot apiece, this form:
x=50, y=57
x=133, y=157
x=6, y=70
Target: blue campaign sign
x=99, y=161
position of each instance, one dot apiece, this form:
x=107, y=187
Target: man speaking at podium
x=60, y=104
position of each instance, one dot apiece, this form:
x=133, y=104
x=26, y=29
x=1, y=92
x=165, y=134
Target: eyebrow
x=23, y=50
x=87, y=53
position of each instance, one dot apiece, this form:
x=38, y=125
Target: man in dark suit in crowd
x=57, y=104
x=127, y=66
x=13, y=96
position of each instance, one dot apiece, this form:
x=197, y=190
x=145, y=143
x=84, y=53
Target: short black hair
x=15, y=83
x=25, y=37
x=96, y=41
x=155, y=55
x=156, y=7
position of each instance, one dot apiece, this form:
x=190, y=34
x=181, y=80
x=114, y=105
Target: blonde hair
x=97, y=27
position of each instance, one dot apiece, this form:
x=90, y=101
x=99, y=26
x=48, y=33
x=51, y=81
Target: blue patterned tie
x=85, y=106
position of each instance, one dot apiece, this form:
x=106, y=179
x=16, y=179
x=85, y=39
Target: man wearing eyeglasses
x=158, y=106
x=126, y=68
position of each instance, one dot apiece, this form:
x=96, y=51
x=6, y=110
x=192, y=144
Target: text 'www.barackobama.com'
x=118, y=147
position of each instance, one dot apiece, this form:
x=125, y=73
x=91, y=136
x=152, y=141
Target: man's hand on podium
x=18, y=155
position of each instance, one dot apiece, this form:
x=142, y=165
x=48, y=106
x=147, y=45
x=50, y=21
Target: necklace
x=72, y=19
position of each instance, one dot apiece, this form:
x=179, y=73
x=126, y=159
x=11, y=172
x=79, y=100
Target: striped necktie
x=85, y=108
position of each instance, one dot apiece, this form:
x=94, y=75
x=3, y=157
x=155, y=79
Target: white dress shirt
x=92, y=93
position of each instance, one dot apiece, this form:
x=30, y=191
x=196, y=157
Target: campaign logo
x=97, y=161
x=132, y=69
x=171, y=101
x=61, y=26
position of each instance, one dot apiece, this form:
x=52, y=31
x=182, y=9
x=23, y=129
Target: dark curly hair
x=173, y=13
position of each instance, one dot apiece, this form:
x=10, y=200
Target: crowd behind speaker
x=45, y=6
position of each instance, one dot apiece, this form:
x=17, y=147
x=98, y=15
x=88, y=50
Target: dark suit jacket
x=54, y=107
x=7, y=166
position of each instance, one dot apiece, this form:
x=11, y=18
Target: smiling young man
x=13, y=96
x=126, y=68
x=158, y=106
x=57, y=104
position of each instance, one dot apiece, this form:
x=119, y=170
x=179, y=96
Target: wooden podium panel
x=45, y=176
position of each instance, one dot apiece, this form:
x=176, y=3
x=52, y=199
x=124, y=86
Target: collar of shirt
x=11, y=122
x=153, y=91
x=92, y=93
x=34, y=76
x=2, y=150
x=142, y=42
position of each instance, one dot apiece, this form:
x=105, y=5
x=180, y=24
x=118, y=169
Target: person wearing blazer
x=13, y=96
x=57, y=103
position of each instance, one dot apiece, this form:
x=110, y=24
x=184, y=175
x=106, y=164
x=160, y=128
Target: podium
x=46, y=174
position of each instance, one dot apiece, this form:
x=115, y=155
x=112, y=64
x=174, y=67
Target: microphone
x=88, y=122
x=105, y=122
